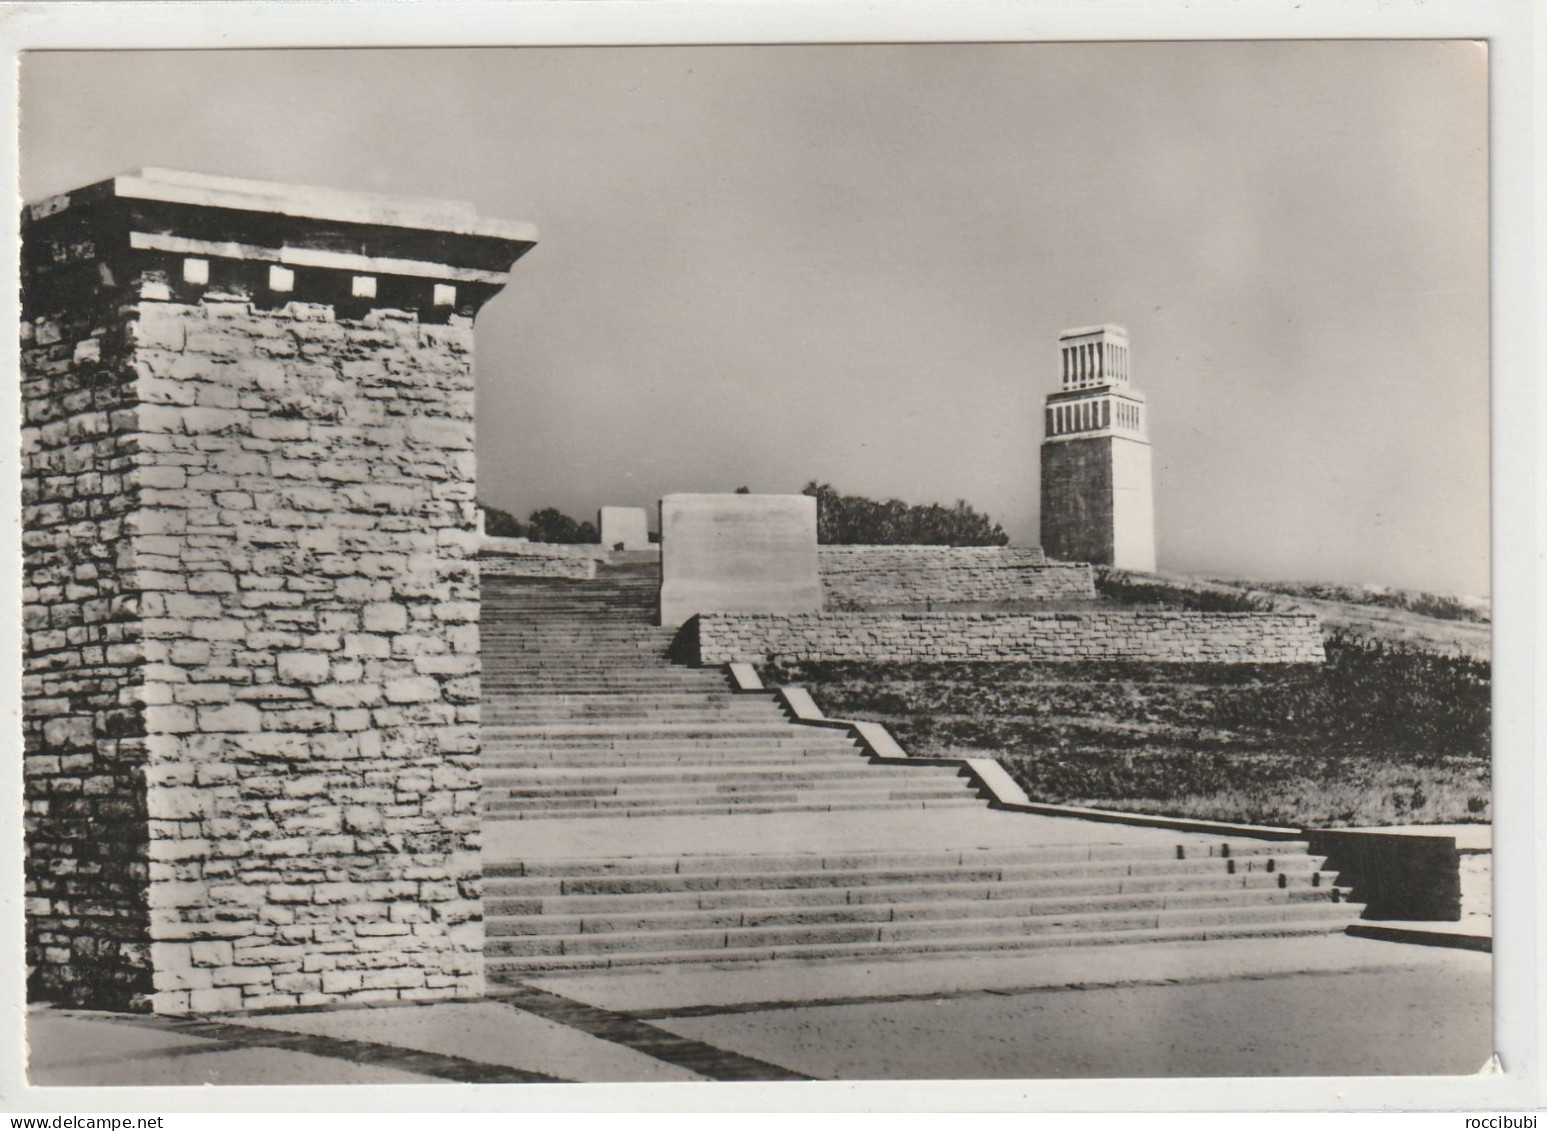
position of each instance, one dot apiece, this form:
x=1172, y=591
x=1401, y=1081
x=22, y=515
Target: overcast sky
x=764, y=265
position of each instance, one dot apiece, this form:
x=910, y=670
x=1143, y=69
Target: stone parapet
x=1149, y=637
x=252, y=669
x=859, y=577
x=535, y=565
x=494, y=546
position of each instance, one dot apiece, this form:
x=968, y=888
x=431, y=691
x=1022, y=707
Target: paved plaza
x=1324, y=1005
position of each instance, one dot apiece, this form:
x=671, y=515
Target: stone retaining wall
x=859, y=577
x=525, y=548
x=1152, y=637
x=535, y=565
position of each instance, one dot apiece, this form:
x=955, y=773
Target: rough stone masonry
x=1142, y=636
x=251, y=598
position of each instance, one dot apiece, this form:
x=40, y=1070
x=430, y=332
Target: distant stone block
x=624, y=528
x=738, y=554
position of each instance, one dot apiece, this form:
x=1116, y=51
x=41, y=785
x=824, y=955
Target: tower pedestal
x=252, y=648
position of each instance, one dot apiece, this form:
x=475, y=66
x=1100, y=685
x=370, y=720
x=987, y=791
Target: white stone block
x=738, y=553
x=624, y=528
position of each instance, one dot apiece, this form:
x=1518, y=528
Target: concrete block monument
x=251, y=593
x=624, y=528
x=738, y=554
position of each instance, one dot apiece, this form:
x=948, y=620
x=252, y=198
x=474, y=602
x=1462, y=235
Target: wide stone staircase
x=584, y=716
x=714, y=819
x=579, y=914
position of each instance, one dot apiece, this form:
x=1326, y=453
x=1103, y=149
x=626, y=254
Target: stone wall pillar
x=251, y=601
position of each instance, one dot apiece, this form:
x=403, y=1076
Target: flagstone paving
x=1329, y=1005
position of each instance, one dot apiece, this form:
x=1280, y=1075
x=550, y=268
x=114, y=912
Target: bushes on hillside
x=849, y=520
x=548, y=524
x=500, y=523
x=1155, y=593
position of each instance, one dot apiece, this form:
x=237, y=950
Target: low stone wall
x=859, y=577
x=1154, y=637
x=524, y=565
x=1397, y=876
x=521, y=547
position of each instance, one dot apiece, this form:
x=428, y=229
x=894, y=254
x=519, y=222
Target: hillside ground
x=1393, y=729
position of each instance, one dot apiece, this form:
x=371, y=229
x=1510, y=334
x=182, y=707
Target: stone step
x=497, y=737
x=619, y=605
x=584, y=618
x=715, y=693
x=696, y=704
x=516, y=715
x=571, y=630
x=618, y=921
x=710, y=793
x=536, y=794
x=710, y=749
x=607, y=681
x=910, y=933
x=515, y=968
x=917, y=894
x=538, y=662
x=817, y=804
x=537, y=759
x=628, y=729
x=626, y=776
x=1194, y=851
x=791, y=774
x=605, y=675
x=607, y=760
x=530, y=724
x=514, y=617
x=517, y=652
x=501, y=689
x=550, y=625
x=530, y=878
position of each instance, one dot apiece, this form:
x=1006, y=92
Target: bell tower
x=1097, y=480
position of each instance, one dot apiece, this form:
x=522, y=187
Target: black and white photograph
x=566, y=564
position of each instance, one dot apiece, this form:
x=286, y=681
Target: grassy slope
x=1394, y=729
x=1391, y=617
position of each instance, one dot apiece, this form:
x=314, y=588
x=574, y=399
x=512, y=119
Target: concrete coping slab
x=1002, y=790
x=177, y=186
x=744, y=677
x=1470, y=839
